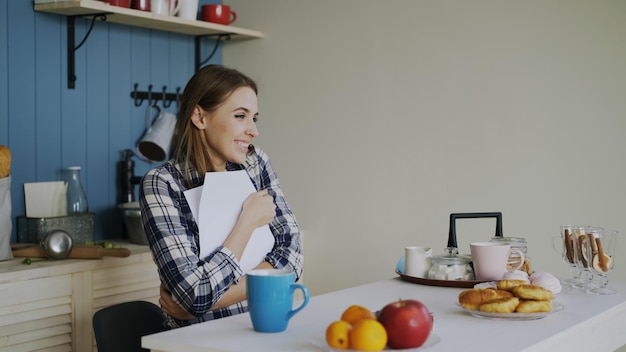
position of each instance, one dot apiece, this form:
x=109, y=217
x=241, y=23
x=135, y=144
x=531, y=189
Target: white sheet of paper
x=45, y=199
x=216, y=207
x=193, y=199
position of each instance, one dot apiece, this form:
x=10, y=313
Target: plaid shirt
x=198, y=283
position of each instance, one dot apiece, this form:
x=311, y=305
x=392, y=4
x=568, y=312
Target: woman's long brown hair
x=208, y=88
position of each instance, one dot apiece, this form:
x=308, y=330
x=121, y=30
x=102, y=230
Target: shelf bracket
x=218, y=40
x=71, y=49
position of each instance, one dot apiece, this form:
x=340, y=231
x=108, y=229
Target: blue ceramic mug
x=270, y=298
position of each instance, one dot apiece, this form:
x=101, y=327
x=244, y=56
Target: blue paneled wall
x=49, y=127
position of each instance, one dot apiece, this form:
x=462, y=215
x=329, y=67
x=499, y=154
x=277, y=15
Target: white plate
x=556, y=306
x=431, y=341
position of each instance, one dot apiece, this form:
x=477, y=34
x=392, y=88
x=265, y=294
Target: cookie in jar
x=514, y=258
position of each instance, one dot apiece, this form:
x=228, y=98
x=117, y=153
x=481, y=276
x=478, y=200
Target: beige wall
x=383, y=117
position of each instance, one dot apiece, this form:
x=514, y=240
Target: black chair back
x=119, y=328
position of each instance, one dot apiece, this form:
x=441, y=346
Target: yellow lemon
x=368, y=335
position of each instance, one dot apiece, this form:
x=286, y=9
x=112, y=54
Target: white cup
x=165, y=7
x=155, y=143
x=417, y=261
x=188, y=9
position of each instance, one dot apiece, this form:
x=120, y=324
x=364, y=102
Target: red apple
x=408, y=323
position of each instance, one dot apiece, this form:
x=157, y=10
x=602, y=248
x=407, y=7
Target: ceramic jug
x=417, y=261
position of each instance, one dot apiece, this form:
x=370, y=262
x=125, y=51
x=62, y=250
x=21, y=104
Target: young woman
x=214, y=131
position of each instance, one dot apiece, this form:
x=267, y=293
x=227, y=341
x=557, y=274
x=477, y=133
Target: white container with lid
x=451, y=266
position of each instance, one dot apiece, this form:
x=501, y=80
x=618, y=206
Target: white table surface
x=587, y=323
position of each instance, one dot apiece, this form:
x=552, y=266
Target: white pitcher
x=188, y=9
x=417, y=261
x=165, y=7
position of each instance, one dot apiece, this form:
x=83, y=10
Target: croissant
x=530, y=306
x=473, y=298
x=500, y=305
x=508, y=285
x=532, y=292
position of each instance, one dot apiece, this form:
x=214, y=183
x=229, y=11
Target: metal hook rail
x=154, y=96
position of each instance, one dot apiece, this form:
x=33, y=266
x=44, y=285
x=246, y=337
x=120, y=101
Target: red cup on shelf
x=221, y=14
x=143, y=5
x=120, y=3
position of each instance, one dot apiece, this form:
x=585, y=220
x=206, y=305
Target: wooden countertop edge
x=13, y=270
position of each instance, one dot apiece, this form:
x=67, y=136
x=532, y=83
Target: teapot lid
x=451, y=256
x=507, y=239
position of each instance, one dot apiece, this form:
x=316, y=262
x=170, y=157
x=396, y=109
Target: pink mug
x=490, y=259
x=220, y=14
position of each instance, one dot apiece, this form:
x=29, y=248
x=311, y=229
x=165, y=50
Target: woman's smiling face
x=230, y=129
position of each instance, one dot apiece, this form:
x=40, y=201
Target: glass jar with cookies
x=514, y=258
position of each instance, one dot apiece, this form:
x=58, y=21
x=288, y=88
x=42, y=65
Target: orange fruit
x=355, y=313
x=337, y=335
x=368, y=335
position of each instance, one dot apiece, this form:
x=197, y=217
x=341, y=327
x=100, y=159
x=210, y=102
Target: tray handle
x=454, y=216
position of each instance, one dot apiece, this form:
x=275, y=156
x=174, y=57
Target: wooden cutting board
x=79, y=251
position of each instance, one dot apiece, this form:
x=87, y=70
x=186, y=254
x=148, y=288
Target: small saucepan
x=57, y=244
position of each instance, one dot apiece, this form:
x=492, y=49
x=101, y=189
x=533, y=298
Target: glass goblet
x=565, y=245
x=581, y=248
x=601, y=257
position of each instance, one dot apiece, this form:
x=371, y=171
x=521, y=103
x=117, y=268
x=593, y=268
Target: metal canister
x=514, y=258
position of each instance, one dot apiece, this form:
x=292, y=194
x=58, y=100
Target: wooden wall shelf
x=137, y=18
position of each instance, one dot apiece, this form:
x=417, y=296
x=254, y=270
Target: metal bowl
x=132, y=222
x=57, y=244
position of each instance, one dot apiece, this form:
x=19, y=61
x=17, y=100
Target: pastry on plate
x=516, y=275
x=508, y=285
x=500, y=305
x=532, y=292
x=530, y=306
x=473, y=298
x=546, y=280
